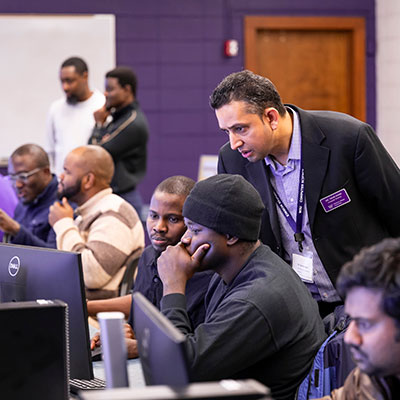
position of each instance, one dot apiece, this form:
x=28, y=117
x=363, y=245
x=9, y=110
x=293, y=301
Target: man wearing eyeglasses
x=36, y=189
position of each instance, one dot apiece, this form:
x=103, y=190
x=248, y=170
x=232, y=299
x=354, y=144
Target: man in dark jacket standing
x=328, y=185
x=121, y=128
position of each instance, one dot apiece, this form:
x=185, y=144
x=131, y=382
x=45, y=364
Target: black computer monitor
x=33, y=348
x=160, y=345
x=31, y=273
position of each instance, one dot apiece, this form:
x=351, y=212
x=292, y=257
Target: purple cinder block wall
x=176, y=48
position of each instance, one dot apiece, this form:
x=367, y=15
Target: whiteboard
x=32, y=48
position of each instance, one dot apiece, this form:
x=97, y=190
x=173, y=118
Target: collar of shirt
x=52, y=186
x=294, y=150
x=118, y=113
x=87, y=206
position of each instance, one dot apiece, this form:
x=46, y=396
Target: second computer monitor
x=160, y=344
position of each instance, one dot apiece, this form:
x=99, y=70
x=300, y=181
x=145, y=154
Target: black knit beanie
x=227, y=204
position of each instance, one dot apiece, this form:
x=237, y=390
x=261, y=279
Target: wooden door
x=315, y=62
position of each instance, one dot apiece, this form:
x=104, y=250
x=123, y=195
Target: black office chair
x=126, y=284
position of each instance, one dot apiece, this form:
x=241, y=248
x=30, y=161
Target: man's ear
x=231, y=240
x=271, y=116
x=88, y=180
x=47, y=170
x=128, y=89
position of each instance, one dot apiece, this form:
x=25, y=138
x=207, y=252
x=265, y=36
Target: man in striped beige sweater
x=106, y=231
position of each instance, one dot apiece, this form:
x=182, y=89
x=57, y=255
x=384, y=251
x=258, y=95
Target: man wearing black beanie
x=261, y=321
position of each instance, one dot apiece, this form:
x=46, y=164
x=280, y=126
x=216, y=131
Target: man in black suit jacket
x=351, y=185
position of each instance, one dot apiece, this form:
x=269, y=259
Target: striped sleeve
x=105, y=240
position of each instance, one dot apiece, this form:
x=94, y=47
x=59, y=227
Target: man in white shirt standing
x=70, y=119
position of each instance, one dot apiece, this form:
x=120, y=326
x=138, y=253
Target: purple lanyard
x=296, y=226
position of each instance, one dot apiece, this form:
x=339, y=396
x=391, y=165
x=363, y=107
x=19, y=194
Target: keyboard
x=82, y=384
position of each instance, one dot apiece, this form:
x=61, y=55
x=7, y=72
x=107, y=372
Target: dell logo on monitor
x=13, y=266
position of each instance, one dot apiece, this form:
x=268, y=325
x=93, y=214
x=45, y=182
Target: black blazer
x=338, y=151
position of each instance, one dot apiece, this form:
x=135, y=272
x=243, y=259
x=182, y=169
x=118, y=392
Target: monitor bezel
x=147, y=316
x=80, y=359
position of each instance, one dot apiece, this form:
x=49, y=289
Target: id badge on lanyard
x=303, y=266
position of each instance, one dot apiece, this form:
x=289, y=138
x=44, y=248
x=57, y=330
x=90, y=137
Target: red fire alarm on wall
x=231, y=48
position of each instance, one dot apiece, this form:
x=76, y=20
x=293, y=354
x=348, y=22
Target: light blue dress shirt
x=285, y=180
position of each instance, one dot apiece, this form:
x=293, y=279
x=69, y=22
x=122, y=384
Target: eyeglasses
x=24, y=176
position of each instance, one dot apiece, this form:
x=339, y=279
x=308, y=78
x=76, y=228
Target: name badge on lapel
x=335, y=200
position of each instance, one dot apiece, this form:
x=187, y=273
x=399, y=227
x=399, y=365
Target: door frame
x=356, y=25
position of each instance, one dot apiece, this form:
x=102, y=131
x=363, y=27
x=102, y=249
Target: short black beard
x=72, y=100
x=71, y=191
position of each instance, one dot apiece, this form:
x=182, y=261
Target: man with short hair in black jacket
x=122, y=129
